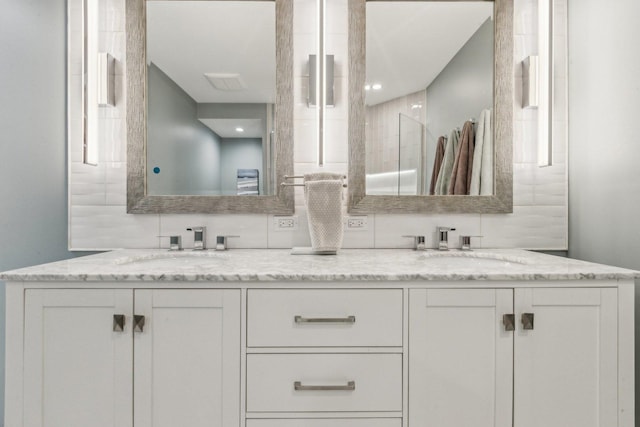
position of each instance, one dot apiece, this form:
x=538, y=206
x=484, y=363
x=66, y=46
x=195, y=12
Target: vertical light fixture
x=106, y=80
x=90, y=82
x=545, y=82
x=321, y=70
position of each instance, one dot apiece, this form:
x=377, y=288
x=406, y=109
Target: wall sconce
x=98, y=81
x=320, y=77
x=106, y=80
x=312, y=99
x=530, y=82
x=90, y=82
x=320, y=82
x=545, y=82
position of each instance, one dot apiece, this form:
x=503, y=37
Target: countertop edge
x=164, y=278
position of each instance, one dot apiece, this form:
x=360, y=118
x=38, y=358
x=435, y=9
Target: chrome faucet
x=443, y=238
x=199, y=237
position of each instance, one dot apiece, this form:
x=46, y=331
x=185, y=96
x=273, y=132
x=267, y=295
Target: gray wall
x=462, y=90
x=604, y=142
x=186, y=151
x=232, y=111
x=33, y=188
x=240, y=153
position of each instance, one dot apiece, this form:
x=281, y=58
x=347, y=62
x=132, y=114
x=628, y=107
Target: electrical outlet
x=285, y=223
x=356, y=223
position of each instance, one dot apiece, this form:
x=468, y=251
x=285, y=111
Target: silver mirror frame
x=137, y=199
x=502, y=200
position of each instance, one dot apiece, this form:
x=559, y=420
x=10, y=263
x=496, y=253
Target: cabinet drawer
x=332, y=422
x=347, y=382
x=324, y=318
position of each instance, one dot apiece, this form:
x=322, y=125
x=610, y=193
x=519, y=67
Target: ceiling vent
x=226, y=81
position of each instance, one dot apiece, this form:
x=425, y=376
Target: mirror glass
x=429, y=97
x=417, y=73
x=209, y=87
x=211, y=90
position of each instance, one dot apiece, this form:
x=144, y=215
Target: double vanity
x=263, y=338
x=366, y=338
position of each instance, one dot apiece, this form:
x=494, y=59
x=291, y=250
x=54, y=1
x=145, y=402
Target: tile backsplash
x=97, y=194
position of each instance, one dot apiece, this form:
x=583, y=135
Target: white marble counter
x=269, y=265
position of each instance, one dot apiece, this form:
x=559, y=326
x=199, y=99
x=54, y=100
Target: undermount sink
x=458, y=258
x=176, y=257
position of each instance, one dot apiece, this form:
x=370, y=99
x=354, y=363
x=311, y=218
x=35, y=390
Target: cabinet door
x=187, y=358
x=460, y=358
x=566, y=366
x=77, y=369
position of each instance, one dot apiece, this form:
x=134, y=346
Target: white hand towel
x=324, y=211
x=321, y=176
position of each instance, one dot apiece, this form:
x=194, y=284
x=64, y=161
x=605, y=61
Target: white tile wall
x=97, y=214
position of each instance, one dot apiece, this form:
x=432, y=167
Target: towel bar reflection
x=287, y=184
x=302, y=177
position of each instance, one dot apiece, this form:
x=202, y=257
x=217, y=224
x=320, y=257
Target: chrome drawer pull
x=348, y=319
x=351, y=385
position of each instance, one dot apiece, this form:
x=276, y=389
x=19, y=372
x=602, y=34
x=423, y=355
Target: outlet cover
x=285, y=223
x=356, y=223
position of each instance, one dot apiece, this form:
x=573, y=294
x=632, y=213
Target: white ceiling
x=186, y=39
x=226, y=128
x=409, y=43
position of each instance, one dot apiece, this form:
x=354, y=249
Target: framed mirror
x=431, y=90
x=209, y=106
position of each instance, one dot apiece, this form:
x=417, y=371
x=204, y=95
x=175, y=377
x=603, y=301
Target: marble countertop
x=270, y=265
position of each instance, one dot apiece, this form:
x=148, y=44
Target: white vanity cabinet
x=177, y=365
x=324, y=357
x=377, y=338
x=557, y=367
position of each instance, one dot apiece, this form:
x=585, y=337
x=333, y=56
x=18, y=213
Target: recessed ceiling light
x=239, y=129
x=367, y=87
x=416, y=106
x=376, y=86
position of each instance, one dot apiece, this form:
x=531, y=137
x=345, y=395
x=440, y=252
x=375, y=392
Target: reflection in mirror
x=209, y=106
x=211, y=89
x=428, y=98
x=424, y=104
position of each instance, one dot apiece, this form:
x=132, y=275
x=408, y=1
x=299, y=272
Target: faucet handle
x=221, y=242
x=175, y=243
x=443, y=229
x=466, y=242
x=418, y=242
